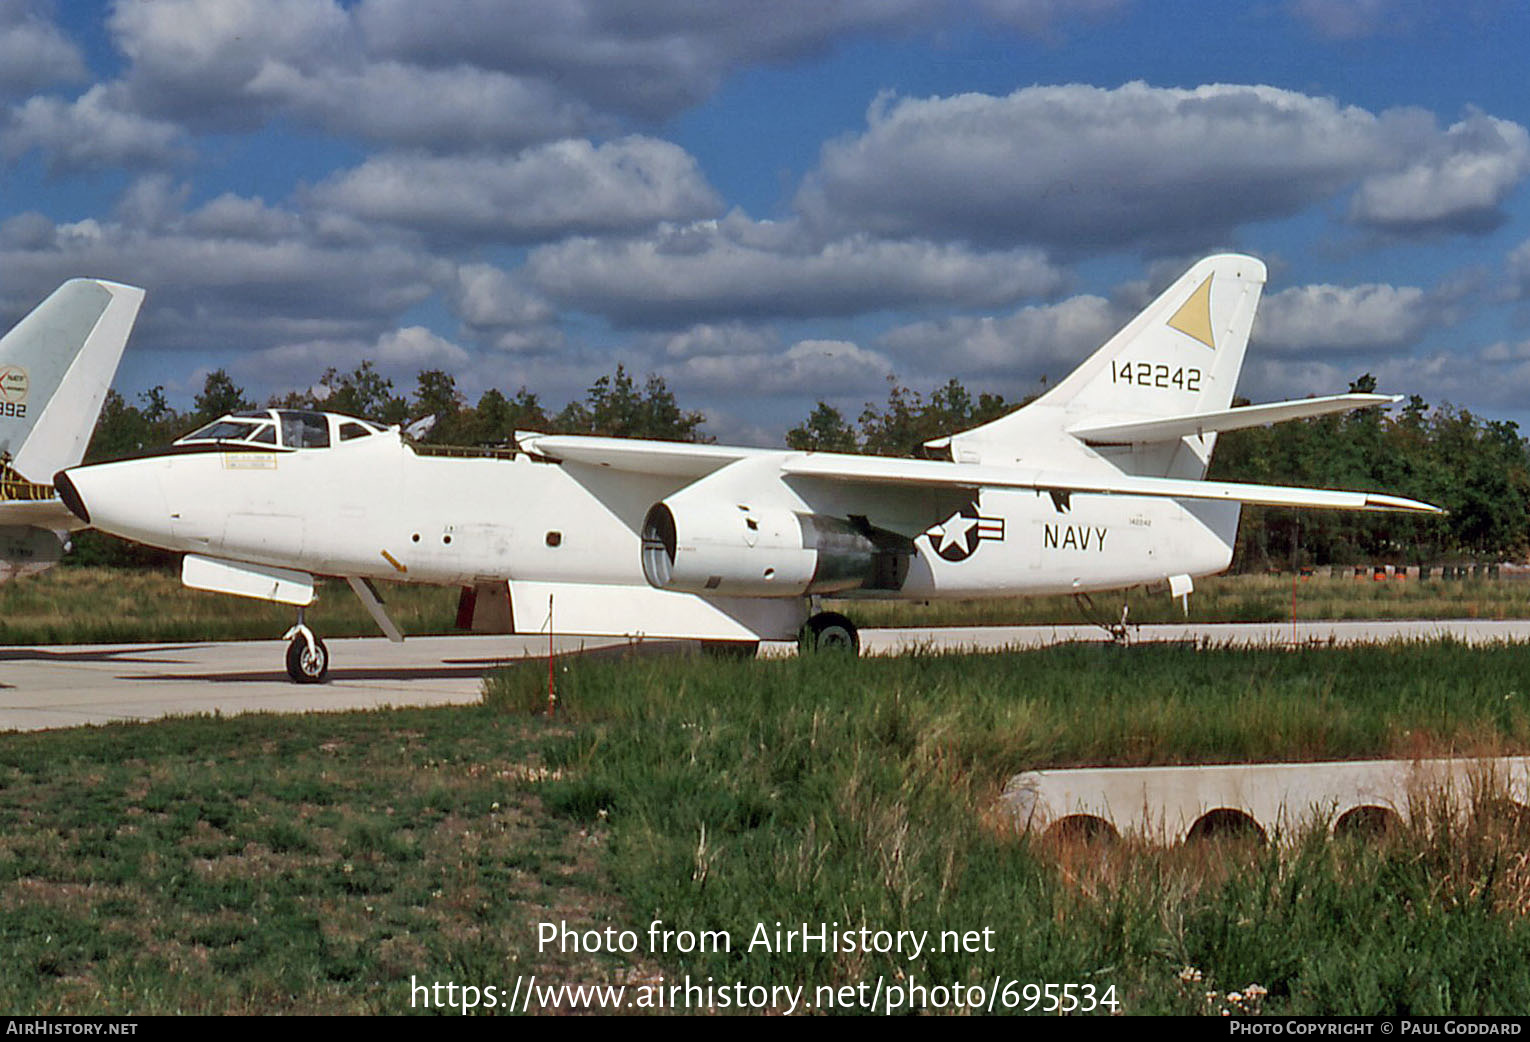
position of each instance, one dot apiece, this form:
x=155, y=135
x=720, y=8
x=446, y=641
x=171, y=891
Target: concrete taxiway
x=67, y=686
x=64, y=686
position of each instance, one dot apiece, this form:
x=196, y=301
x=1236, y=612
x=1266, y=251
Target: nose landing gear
x=307, y=657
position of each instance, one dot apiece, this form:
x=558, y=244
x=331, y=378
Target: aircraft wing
x=39, y=513
x=667, y=458
x=937, y=474
x=1170, y=428
x=686, y=460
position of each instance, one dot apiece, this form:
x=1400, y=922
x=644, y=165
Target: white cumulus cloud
x=417, y=346
x=740, y=268
x=1458, y=183
x=1324, y=319
x=808, y=367
x=95, y=130
x=1081, y=167
x=541, y=193
x=650, y=59
x=1045, y=339
x=194, y=61
x=34, y=52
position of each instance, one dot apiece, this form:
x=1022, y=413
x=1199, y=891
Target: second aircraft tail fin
x=55, y=367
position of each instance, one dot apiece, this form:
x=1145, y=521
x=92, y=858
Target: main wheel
x=305, y=666
x=829, y=631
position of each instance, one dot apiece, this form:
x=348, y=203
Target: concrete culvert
x=1274, y=801
x=1367, y=821
x=1082, y=828
x=1225, y=823
x=1504, y=813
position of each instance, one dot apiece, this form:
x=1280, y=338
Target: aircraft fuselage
x=1098, y=484
x=376, y=508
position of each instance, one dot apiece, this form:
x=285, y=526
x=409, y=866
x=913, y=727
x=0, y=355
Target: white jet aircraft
x=55, y=367
x=1096, y=485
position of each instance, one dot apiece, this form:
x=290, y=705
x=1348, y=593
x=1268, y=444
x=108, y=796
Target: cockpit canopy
x=282, y=428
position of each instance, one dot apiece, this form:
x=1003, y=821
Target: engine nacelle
x=716, y=547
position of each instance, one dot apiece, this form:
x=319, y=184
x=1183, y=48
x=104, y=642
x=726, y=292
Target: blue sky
x=773, y=203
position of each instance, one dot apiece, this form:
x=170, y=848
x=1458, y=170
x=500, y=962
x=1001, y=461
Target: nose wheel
x=307, y=657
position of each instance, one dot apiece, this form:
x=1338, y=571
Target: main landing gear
x=831, y=632
x=307, y=657
x=1121, y=630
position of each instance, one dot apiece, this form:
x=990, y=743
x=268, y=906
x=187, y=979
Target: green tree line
x=1476, y=468
x=615, y=406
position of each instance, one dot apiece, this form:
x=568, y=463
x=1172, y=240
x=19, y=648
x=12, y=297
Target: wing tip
x=1377, y=501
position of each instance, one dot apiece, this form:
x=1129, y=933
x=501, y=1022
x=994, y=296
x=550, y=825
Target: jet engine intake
x=745, y=551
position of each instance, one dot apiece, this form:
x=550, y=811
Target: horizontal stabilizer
x=39, y=513
x=1193, y=425
x=935, y=474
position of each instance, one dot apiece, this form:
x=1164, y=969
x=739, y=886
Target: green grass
x=86, y=605
x=318, y=863
x=1071, y=705
x=261, y=864
x=1226, y=598
x=863, y=793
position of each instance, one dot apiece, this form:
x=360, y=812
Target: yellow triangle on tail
x=1194, y=316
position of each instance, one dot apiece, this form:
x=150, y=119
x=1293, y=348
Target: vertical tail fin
x=55, y=367
x=1182, y=354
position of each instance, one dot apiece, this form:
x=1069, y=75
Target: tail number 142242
x=1147, y=374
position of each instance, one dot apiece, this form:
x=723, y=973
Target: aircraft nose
x=71, y=496
x=123, y=498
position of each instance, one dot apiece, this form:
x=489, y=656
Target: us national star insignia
x=957, y=537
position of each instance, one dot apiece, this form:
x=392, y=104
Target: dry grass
x=76, y=605
x=103, y=605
